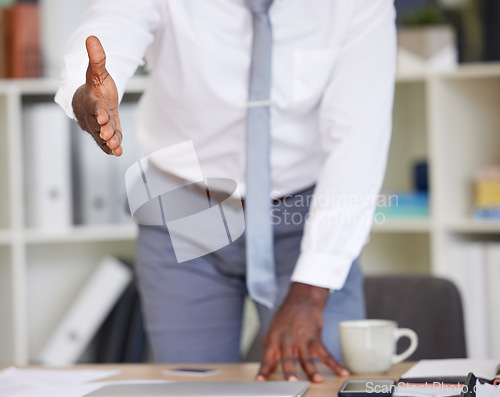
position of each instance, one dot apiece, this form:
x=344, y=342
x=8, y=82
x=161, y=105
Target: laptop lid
x=208, y=389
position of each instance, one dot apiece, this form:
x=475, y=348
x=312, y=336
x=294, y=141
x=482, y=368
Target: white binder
x=48, y=166
x=131, y=152
x=468, y=261
x=94, y=180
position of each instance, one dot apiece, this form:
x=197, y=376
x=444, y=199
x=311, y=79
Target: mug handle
x=410, y=334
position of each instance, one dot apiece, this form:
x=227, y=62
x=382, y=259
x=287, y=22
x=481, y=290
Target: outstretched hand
x=295, y=335
x=95, y=103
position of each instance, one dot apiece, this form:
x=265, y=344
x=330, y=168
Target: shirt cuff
x=322, y=270
x=67, y=89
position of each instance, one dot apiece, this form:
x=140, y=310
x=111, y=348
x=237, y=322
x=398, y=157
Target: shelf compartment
x=55, y=275
x=467, y=138
x=397, y=253
x=409, y=142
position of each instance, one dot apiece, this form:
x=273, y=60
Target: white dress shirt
x=332, y=95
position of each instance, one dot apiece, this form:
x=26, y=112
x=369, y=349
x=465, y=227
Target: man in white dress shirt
x=333, y=69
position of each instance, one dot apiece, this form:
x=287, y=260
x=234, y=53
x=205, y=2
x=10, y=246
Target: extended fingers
x=118, y=151
x=115, y=141
x=289, y=349
x=112, y=135
x=289, y=355
x=109, y=129
x=269, y=362
x=308, y=364
x=319, y=351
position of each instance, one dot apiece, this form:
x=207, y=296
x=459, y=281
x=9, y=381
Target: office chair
x=431, y=306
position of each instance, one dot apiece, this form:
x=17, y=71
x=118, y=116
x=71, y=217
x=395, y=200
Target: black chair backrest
x=431, y=306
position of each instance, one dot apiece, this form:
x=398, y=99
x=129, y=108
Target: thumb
x=97, y=58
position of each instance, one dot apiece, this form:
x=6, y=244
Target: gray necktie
x=261, y=277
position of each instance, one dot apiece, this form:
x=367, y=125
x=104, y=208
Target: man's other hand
x=95, y=103
x=295, y=335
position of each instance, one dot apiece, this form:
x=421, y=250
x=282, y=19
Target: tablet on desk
x=206, y=389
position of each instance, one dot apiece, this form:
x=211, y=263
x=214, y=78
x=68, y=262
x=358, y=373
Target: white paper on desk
x=14, y=381
x=79, y=389
x=452, y=368
x=487, y=390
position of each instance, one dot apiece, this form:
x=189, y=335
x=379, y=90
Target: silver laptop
x=208, y=389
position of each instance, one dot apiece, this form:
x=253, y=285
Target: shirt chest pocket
x=311, y=72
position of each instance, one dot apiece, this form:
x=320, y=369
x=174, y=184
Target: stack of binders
x=100, y=193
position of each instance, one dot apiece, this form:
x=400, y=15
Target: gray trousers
x=193, y=310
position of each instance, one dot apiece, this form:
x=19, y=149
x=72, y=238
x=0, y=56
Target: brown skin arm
x=295, y=334
x=95, y=103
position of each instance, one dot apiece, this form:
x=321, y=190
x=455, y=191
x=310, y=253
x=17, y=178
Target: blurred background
x=67, y=248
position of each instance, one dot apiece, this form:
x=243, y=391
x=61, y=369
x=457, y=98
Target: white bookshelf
x=449, y=118
x=41, y=271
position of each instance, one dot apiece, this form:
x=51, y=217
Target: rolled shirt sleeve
x=355, y=122
x=126, y=28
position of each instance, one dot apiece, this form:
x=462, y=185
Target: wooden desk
x=236, y=372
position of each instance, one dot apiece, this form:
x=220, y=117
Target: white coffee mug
x=369, y=346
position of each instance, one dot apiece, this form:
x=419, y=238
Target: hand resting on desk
x=295, y=334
